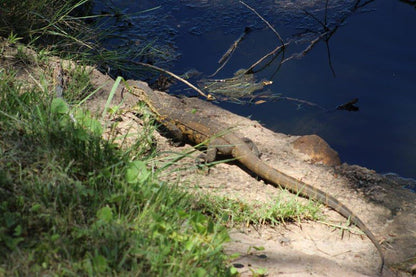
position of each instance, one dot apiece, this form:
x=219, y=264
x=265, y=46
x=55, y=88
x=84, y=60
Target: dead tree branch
x=278, y=49
x=208, y=97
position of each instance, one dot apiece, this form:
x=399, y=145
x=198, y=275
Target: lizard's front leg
x=220, y=146
x=171, y=131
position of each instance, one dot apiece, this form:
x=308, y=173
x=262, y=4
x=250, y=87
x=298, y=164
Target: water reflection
x=324, y=22
x=368, y=44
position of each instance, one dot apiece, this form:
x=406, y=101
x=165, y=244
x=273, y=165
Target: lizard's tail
x=296, y=186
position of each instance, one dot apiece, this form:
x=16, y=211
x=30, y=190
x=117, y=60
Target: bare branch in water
x=226, y=57
x=307, y=49
x=327, y=34
x=231, y=50
x=265, y=21
x=275, y=98
x=326, y=38
x=278, y=50
x=303, y=102
x=208, y=97
x=329, y=57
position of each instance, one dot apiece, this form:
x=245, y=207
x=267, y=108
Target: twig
x=208, y=97
x=307, y=49
x=225, y=58
x=326, y=13
x=274, y=51
x=323, y=24
x=234, y=46
x=264, y=20
x=278, y=97
x=303, y=102
x=328, y=51
x=326, y=37
x=328, y=32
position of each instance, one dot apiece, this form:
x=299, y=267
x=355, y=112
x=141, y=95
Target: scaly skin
x=185, y=124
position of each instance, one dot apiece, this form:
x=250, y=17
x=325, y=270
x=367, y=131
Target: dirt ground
x=293, y=249
x=303, y=248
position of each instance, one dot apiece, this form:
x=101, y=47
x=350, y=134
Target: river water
x=372, y=54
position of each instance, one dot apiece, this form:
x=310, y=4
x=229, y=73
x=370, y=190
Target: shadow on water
x=336, y=51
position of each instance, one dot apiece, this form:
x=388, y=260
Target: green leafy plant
x=13, y=38
x=72, y=203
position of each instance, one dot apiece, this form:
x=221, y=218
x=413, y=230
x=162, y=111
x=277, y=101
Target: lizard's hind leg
x=252, y=146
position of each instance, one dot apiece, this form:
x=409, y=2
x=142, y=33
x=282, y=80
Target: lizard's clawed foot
x=201, y=163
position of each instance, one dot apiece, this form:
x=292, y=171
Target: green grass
x=237, y=212
x=71, y=31
x=48, y=22
x=73, y=203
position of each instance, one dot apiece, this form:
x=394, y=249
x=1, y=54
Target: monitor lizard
x=186, y=125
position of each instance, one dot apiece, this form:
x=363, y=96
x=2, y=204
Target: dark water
x=373, y=54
